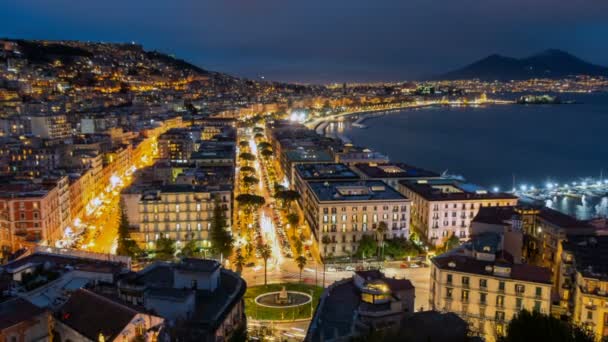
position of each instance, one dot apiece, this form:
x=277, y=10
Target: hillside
x=547, y=64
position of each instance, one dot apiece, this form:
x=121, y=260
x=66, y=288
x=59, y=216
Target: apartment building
x=305, y=173
x=480, y=283
x=29, y=214
x=583, y=282
x=176, y=144
x=179, y=212
x=341, y=212
x=444, y=207
x=51, y=126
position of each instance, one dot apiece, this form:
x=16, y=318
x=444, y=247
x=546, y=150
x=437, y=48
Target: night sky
x=323, y=40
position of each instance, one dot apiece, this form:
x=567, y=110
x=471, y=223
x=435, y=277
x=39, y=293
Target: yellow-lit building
x=179, y=212
x=583, y=282
x=443, y=207
x=485, y=289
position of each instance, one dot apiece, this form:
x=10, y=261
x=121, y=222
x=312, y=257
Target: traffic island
x=281, y=302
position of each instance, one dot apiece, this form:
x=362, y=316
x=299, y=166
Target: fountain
x=283, y=299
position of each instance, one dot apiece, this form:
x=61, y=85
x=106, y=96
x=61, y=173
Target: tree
x=246, y=156
x=301, y=261
x=258, y=136
x=165, y=248
x=400, y=248
x=264, y=145
x=278, y=188
x=452, y=242
x=221, y=239
x=298, y=244
x=250, y=201
x=265, y=253
x=190, y=249
x=380, y=230
x=126, y=245
x=248, y=169
x=239, y=261
x=367, y=246
x=293, y=219
x=287, y=196
x=250, y=180
x=535, y=326
x=266, y=153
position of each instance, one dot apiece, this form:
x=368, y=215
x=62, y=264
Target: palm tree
x=380, y=230
x=265, y=253
x=239, y=261
x=301, y=261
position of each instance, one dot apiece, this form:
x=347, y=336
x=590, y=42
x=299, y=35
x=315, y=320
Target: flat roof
x=452, y=190
x=394, y=170
x=339, y=191
x=308, y=155
x=325, y=171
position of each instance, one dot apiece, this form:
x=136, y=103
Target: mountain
x=550, y=63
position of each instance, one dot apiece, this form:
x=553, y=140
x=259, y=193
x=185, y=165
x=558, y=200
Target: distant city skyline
x=320, y=42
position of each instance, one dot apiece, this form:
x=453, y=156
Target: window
x=483, y=283
x=589, y=315
x=465, y=295
x=483, y=298
x=500, y=301
x=520, y=289
x=448, y=292
x=449, y=280
x=537, y=305
x=465, y=281
x=500, y=316
x=539, y=291
x=501, y=286
x=177, y=208
x=519, y=303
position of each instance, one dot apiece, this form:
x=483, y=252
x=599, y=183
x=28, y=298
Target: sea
x=500, y=146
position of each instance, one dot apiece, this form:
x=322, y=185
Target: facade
x=443, y=207
x=176, y=144
x=180, y=212
x=483, y=287
x=583, y=282
x=29, y=214
x=341, y=212
x=51, y=126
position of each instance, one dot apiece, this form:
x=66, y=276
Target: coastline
x=320, y=125
x=314, y=124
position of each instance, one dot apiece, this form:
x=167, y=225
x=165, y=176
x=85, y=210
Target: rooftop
x=394, y=170
x=452, y=190
x=91, y=314
x=309, y=155
x=17, y=310
x=590, y=254
x=339, y=191
x=466, y=264
x=329, y=171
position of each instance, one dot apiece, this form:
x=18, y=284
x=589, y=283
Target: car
x=404, y=265
x=349, y=268
x=331, y=269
